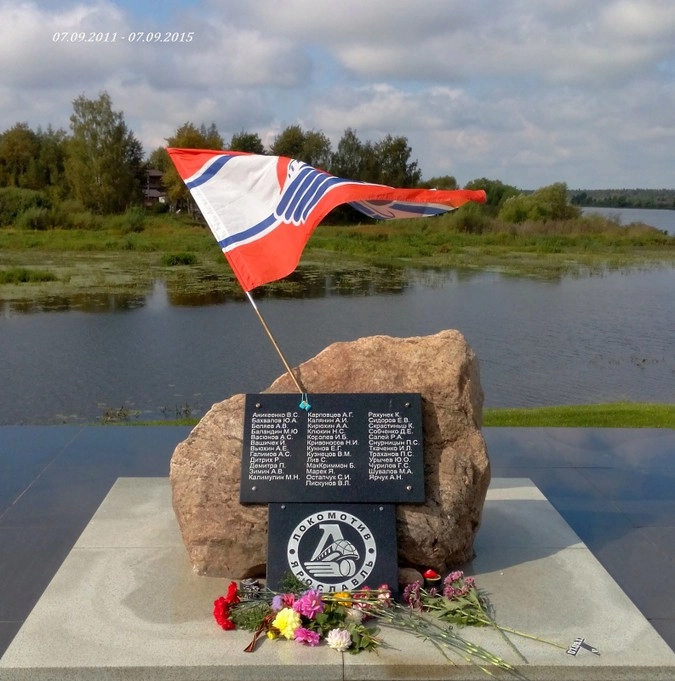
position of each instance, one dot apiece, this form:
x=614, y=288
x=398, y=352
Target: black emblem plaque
x=333, y=548
x=357, y=447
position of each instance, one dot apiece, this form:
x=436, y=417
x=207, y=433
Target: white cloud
x=33, y=56
x=527, y=92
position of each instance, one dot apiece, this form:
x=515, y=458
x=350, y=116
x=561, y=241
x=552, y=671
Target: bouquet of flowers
x=306, y=616
x=460, y=602
x=347, y=621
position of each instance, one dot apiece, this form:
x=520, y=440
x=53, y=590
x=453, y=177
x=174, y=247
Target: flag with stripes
x=263, y=209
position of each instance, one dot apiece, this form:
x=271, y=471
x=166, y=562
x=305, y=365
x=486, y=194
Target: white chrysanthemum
x=354, y=615
x=339, y=639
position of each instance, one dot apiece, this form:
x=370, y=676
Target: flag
x=263, y=209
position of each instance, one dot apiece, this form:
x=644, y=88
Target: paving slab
x=126, y=604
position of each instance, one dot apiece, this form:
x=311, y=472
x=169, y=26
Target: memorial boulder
x=226, y=538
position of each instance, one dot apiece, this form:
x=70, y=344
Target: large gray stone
x=224, y=538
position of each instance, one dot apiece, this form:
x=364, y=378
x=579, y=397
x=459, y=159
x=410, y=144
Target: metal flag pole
x=299, y=386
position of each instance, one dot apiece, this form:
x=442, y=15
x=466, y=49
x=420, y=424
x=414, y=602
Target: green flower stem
x=532, y=637
x=444, y=639
x=458, y=613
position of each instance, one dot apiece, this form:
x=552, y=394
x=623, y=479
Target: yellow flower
x=343, y=598
x=272, y=634
x=287, y=621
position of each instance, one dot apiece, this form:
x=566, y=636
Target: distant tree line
x=624, y=198
x=53, y=178
x=387, y=161
x=99, y=164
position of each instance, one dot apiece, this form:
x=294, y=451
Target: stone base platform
x=126, y=605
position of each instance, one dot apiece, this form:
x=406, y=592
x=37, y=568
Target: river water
x=662, y=219
x=573, y=340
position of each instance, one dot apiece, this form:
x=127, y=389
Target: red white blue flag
x=263, y=209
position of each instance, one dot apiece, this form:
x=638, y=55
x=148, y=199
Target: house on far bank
x=153, y=191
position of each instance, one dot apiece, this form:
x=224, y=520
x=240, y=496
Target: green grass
x=124, y=254
x=613, y=415
x=530, y=249
x=23, y=275
x=175, y=259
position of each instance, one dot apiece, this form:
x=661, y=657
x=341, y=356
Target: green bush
x=135, y=218
x=85, y=220
x=173, y=259
x=23, y=275
x=72, y=206
x=34, y=218
x=14, y=201
x=470, y=219
x=158, y=208
x=130, y=222
x=44, y=218
x=547, y=203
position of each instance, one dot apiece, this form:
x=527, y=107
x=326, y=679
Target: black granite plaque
x=333, y=547
x=357, y=447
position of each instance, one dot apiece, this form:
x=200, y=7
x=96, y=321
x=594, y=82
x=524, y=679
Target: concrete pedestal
x=126, y=605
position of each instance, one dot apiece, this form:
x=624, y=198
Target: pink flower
x=362, y=599
x=456, y=585
x=307, y=636
x=411, y=595
x=384, y=596
x=281, y=601
x=309, y=604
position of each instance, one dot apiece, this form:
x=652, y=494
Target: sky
x=528, y=92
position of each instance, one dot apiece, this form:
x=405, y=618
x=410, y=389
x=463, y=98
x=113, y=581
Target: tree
x=159, y=160
x=316, y=150
x=48, y=172
x=547, y=203
x=247, y=141
x=496, y=193
x=289, y=142
x=19, y=147
x=311, y=147
x=103, y=157
x=348, y=159
x=554, y=202
x=442, y=182
x=516, y=209
x=394, y=164
x=188, y=136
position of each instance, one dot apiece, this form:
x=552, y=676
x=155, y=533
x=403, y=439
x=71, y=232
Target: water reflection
x=315, y=282
x=191, y=298
x=83, y=302
x=562, y=341
x=305, y=282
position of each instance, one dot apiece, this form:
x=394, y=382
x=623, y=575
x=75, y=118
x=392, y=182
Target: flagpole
x=275, y=344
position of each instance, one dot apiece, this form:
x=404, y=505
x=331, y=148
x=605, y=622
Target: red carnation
x=221, y=612
x=228, y=625
x=232, y=597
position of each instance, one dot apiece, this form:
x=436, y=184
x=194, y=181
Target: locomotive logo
x=332, y=551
